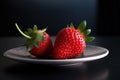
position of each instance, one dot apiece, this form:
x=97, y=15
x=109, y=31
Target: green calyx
x=84, y=31
x=33, y=36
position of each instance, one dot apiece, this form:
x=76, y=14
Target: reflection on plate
x=91, y=53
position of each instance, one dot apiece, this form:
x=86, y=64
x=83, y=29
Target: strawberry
x=38, y=42
x=71, y=42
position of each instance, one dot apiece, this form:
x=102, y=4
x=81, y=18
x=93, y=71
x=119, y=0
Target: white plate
x=91, y=53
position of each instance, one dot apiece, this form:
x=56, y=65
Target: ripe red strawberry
x=38, y=42
x=71, y=42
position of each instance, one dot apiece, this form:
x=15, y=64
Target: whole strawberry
x=38, y=42
x=71, y=42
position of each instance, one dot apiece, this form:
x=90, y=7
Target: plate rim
x=80, y=59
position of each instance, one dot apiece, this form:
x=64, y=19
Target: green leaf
x=39, y=37
x=87, y=32
x=43, y=30
x=71, y=25
x=30, y=30
x=26, y=33
x=33, y=36
x=29, y=44
x=35, y=27
x=29, y=47
x=82, y=26
x=89, y=39
x=37, y=44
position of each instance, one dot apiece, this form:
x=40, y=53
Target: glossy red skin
x=69, y=43
x=45, y=48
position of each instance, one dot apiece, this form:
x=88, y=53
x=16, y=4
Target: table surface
x=103, y=69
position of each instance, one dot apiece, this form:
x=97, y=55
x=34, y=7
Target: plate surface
x=91, y=53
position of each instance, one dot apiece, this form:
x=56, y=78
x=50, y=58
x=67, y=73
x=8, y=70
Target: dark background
x=101, y=15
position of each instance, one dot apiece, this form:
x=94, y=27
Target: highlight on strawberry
x=38, y=42
x=71, y=42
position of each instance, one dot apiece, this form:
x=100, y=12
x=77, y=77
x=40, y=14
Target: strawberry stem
x=26, y=36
